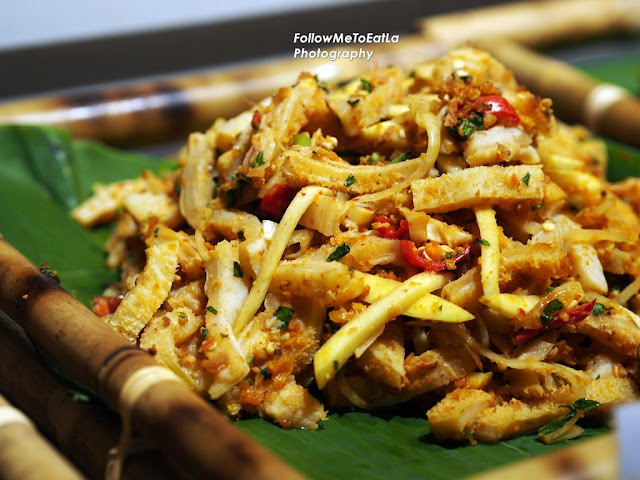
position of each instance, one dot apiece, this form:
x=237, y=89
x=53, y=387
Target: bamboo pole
x=25, y=454
x=534, y=22
x=84, y=431
x=593, y=459
x=196, y=440
x=605, y=109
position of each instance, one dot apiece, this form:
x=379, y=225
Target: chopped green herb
x=336, y=365
x=266, y=374
x=399, y=158
x=224, y=335
x=284, y=315
x=583, y=404
x=302, y=140
x=540, y=206
x=241, y=235
x=549, y=309
x=353, y=101
x=243, y=178
x=350, y=180
x=250, y=360
x=366, y=85
x=465, y=127
x=212, y=310
x=339, y=252
x=205, y=333
x=526, y=179
x=483, y=242
x=550, y=288
x=49, y=272
x=375, y=157
x=237, y=270
x=598, y=309
x=259, y=159
x=80, y=397
x=182, y=315
x=469, y=434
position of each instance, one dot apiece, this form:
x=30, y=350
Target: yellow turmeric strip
x=285, y=228
x=339, y=348
x=490, y=248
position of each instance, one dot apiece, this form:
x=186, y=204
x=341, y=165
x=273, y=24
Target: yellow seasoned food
x=435, y=234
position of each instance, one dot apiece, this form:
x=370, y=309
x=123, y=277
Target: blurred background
x=49, y=45
x=108, y=70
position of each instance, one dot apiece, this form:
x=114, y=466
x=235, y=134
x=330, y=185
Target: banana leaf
x=44, y=173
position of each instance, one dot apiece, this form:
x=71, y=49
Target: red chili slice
x=276, y=201
x=255, y=120
x=575, y=315
x=412, y=256
x=501, y=108
x=105, y=305
x=387, y=230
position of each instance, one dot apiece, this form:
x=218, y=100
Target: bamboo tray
x=106, y=363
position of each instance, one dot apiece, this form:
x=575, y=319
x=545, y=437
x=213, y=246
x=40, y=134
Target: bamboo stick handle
x=534, y=22
x=85, y=432
x=593, y=459
x=607, y=110
x=25, y=454
x=194, y=438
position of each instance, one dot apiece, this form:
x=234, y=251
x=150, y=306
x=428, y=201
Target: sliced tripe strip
x=429, y=307
x=285, y=228
x=151, y=290
x=300, y=167
x=457, y=411
x=160, y=335
x=226, y=292
x=331, y=282
x=104, y=203
x=490, y=256
x=337, y=350
x=197, y=180
x=478, y=186
x=145, y=205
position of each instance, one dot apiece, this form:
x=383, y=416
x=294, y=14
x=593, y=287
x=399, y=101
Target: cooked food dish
x=434, y=236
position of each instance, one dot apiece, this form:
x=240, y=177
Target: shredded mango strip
x=285, y=228
x=490, y=247
x=429, y=307
x=341, y=346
